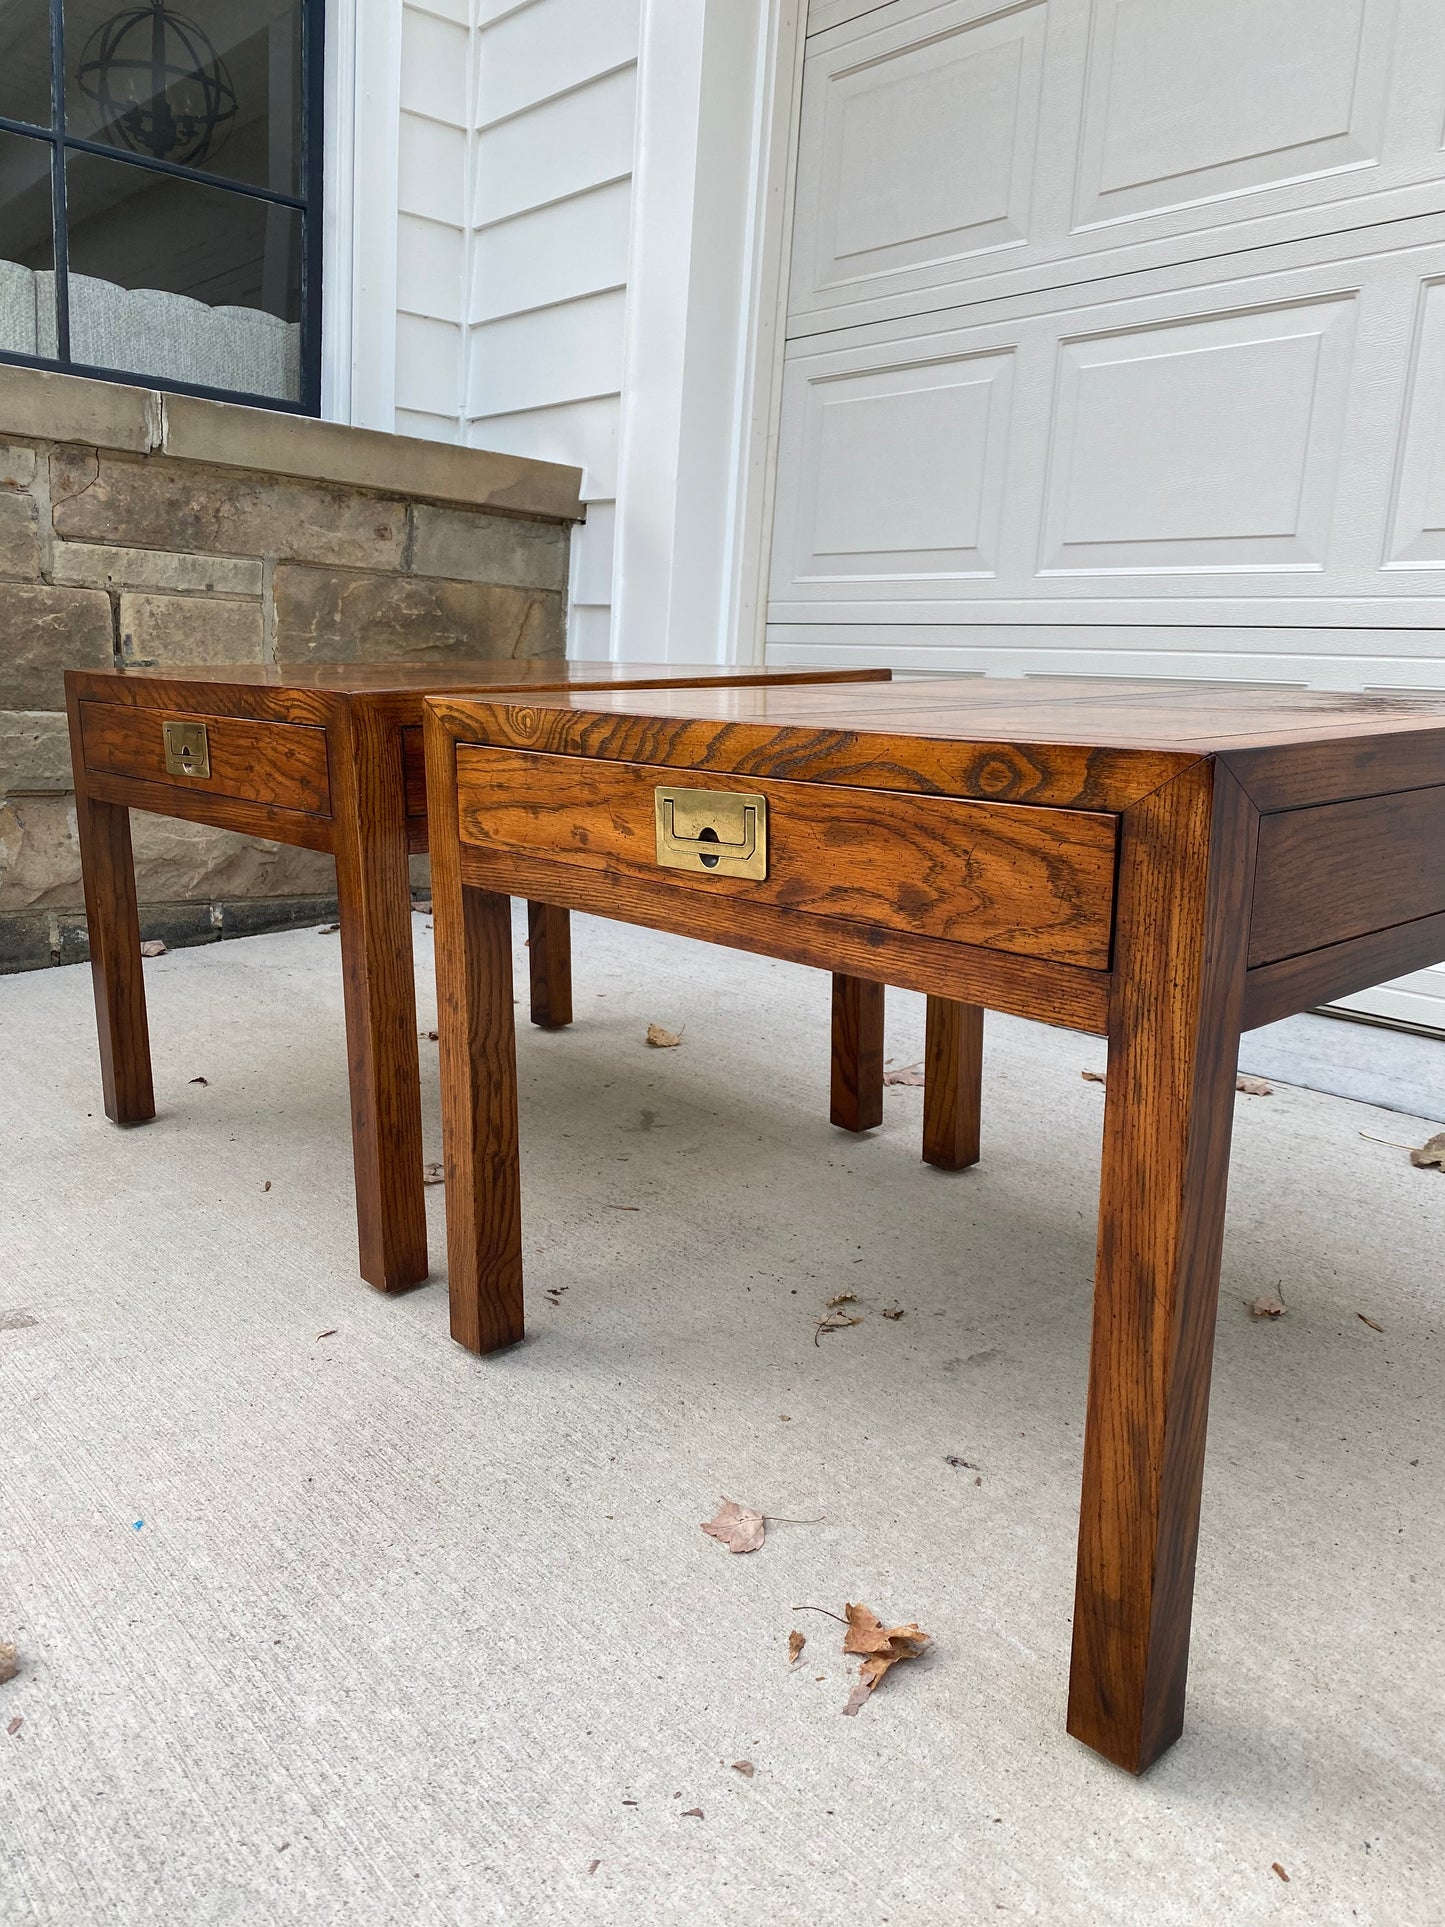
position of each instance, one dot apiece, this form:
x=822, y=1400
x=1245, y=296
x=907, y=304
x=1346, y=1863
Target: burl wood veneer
x=328, y=756
x=1163, y=865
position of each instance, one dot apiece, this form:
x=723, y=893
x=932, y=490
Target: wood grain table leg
x=478, y=1045
x=856, y=1094
x=374, y=893
x=1186, y=873
x=952, y=1084
x=549, y=958
x=117, y=973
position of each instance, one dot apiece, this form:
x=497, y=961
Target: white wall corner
x=705, y=93
x=359, y=216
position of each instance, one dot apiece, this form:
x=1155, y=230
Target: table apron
x=309, y=832
x=1053, y=993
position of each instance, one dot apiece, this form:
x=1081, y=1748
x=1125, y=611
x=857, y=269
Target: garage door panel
x=1125, y=132
x=1229, y=446
x=1192, y=104
x=1209, y=444
x=921, y=145
x=897, y=468
x=1417, y=517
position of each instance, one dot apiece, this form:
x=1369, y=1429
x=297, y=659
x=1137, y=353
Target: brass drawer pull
x=719, y=832
x=188, y=753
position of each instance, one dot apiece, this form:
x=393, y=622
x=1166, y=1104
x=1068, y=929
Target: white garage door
x=1116, y=343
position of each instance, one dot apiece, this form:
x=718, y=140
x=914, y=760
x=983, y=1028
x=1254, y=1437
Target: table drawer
x=282, y=764
x=1039, y=882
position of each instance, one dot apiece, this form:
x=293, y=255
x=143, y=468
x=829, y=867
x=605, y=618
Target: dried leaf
x=423, y=909
x=433, y=1174
x=330, y=1332
x=267, y=1185
x=1269, y=1304
x=1275, y=1867
x=796, y=1643
x=738, y=1527
x=1369, y=1321
x=745, y=1767
x=661, y=1039
x=893, y=1311
x=1432, y=1151
x=836, y=1321
x=882, y=1648
x=1254, y=1087
x=15, y=1725
x=427, y=1036
x=200, y=1080
x=1093, y=1077
x=153, y=947
x=10, y=1660
x=843, y=1298
x=328, y=930
x=593, y=1865
x=693, y=1813
x=909, y=1074
x=966, y=1465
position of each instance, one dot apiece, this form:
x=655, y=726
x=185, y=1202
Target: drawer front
x=1038, y=882
x=282, y=764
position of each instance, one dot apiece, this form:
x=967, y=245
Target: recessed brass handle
x=716, y=832
x=188, y=751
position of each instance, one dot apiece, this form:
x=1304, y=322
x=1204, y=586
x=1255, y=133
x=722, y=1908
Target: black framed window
x=160, y=193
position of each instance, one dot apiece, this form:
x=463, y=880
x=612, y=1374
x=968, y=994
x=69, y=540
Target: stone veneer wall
x=144, y=528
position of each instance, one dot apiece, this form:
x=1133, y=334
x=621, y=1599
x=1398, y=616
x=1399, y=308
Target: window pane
x=210, y=84
x=25, y=60
x=27, y=283
x=182, y=281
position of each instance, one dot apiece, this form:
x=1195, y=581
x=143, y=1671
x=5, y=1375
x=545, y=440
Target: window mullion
x=61, y=236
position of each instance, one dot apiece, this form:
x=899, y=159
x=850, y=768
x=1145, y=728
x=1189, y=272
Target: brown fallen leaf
x=1254, y=1087
x=882, y=1648
x=796, y=1643
x=909, y=1074
x=1269, y=1304
x=153, y=947
x=10, y=1659
x=267, y=1185
x=693, y=1813
x=200, y=1080
x=423, y=909
x=661, y=1039
x=15, y=1725
x=1275, y=1867
x=1369, y=1321
x=967, y=1465
x=433, y=1174
x=738, y=1527
x=328, y=930
x=843, y=1298
x=593, y=1865
x=1093, y=1077
x=893, y=1311
x=836, y=1321
x=745, y=1767
x=1432, y=1151
x=427, y=1036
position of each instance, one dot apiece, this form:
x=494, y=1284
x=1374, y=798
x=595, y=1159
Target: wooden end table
x=1159, y=864
x=329, y=756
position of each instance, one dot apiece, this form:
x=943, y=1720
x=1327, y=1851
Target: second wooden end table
x=329, y=756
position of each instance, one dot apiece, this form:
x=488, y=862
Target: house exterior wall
x=142, y=529
x=515, y=129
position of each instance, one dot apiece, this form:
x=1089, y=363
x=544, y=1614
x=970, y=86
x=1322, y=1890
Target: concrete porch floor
x=357, y=1628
